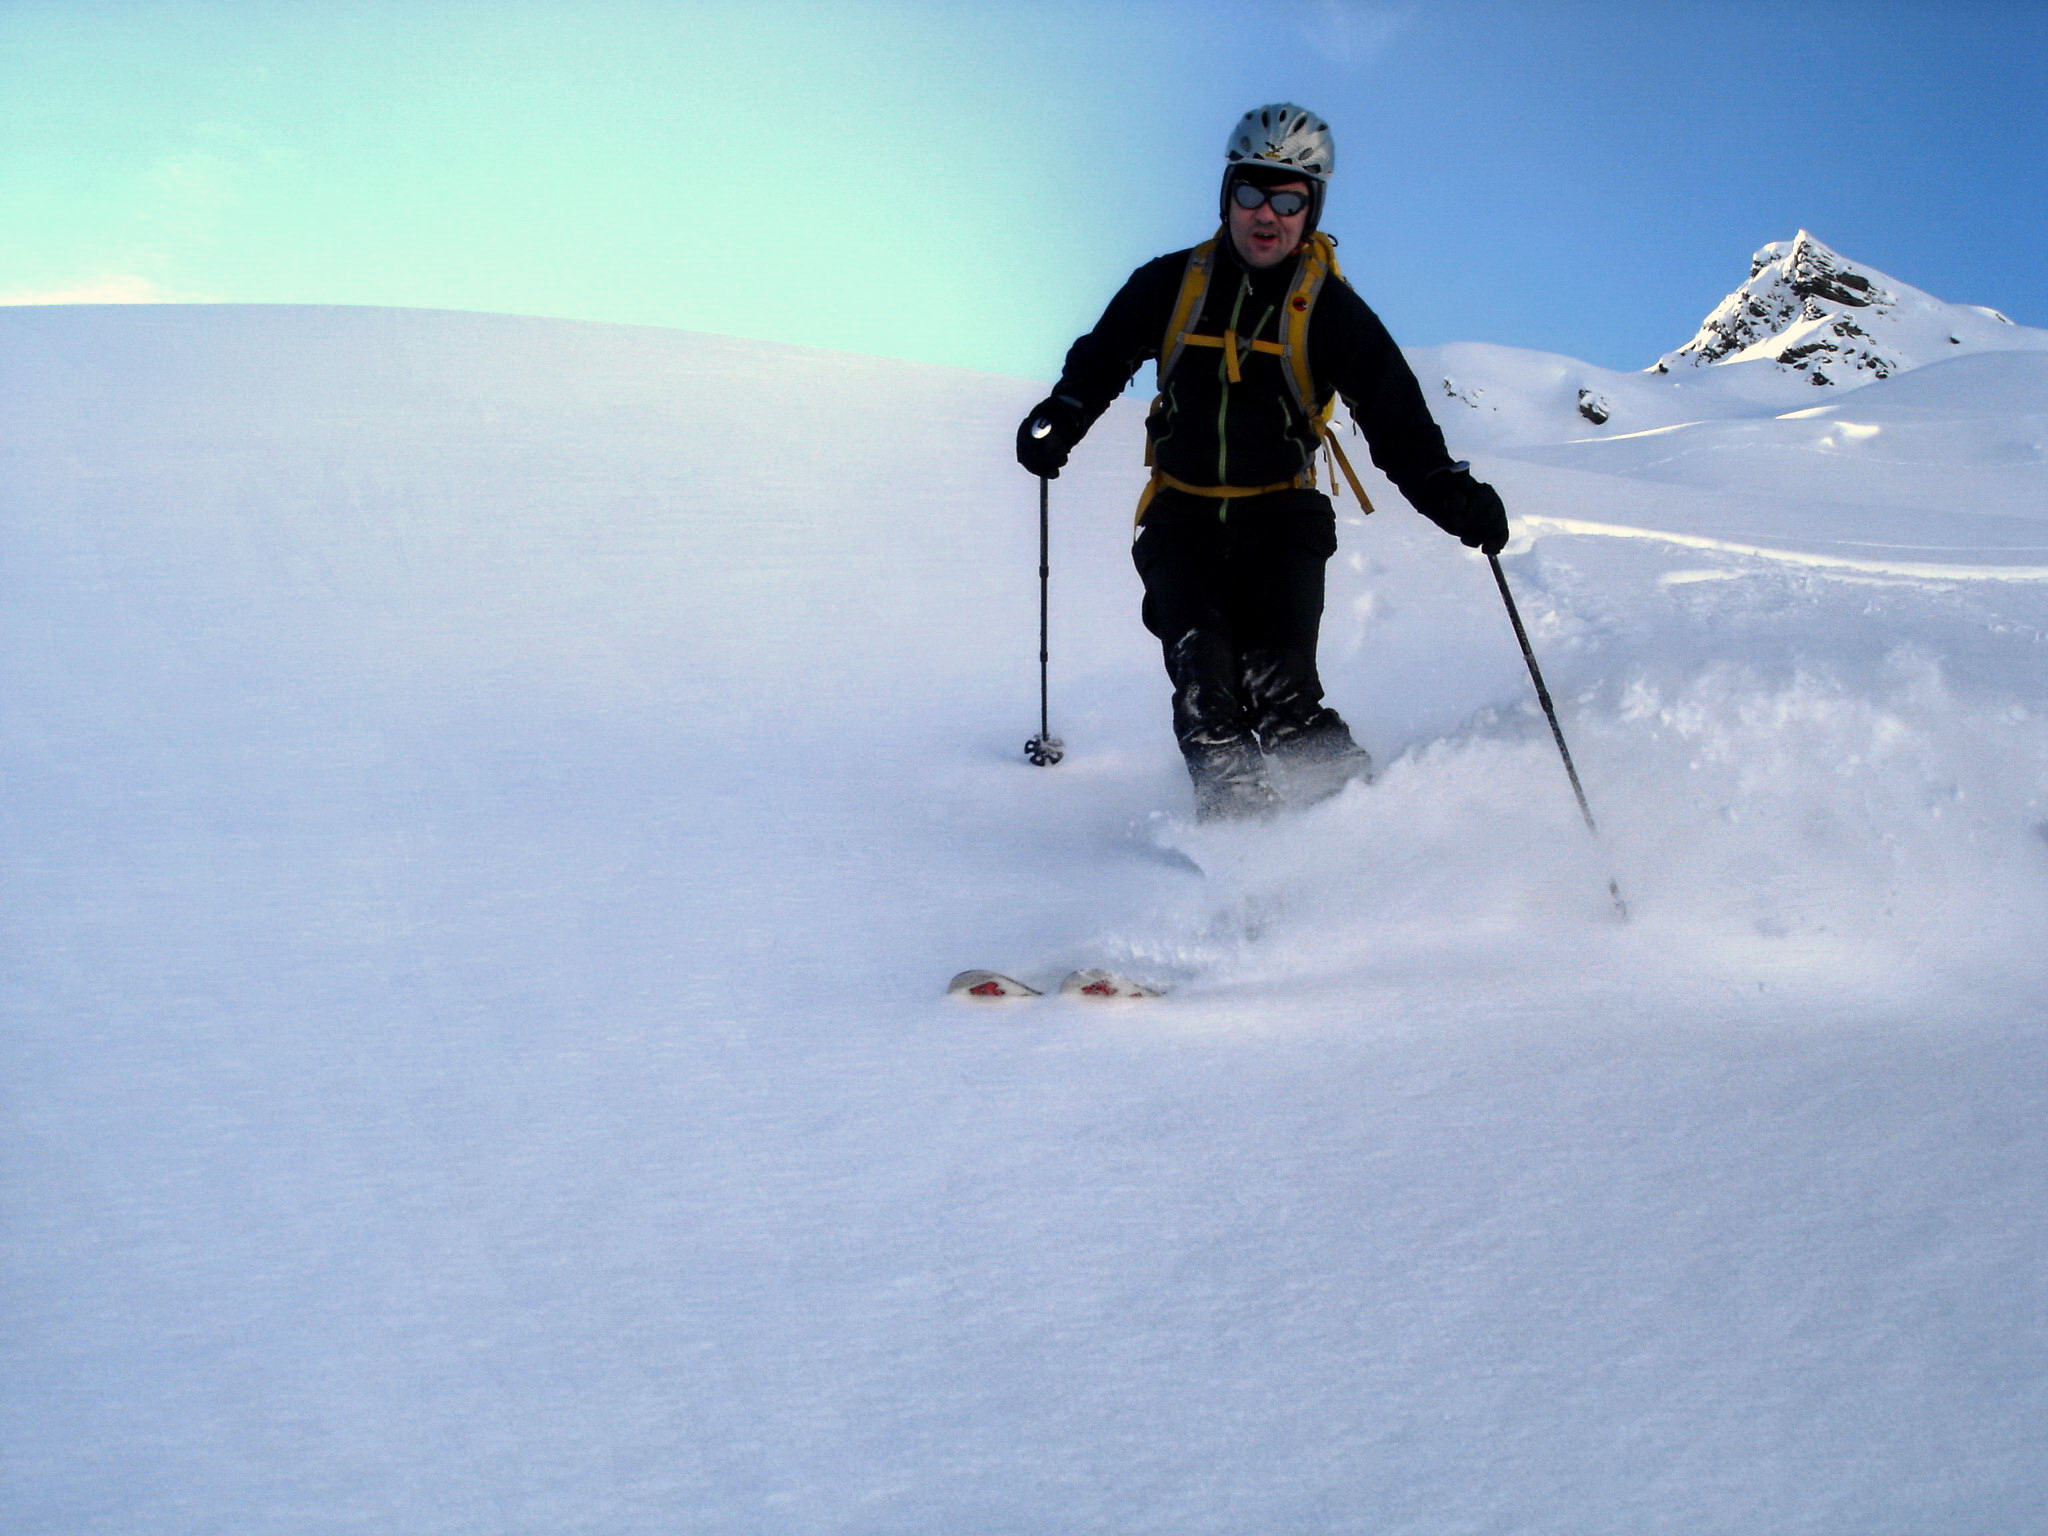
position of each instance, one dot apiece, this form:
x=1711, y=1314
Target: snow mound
x=1496, y=396
x=1947, y=464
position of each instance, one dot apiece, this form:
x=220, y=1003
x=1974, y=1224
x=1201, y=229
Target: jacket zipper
x=1223, y=397
x=1244, y=288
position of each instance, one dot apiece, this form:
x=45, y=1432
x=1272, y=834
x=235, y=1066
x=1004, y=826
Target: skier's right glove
x=1048, y=435
x=1467, y=509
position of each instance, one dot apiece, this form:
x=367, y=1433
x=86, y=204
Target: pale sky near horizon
x=967, y=183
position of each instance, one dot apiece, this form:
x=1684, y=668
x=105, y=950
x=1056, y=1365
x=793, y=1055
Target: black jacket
x=1208, y=431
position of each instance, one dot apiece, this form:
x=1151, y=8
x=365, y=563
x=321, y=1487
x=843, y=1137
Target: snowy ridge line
x=1920, y=570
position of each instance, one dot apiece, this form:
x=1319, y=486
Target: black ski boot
x=1224, y=762
x=1307, y=741
x=1230, y=782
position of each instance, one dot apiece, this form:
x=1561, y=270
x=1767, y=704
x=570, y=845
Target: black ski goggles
x=1286, y=202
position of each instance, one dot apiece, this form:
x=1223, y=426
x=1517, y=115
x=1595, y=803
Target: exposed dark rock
x=1594, y=408
x=1468, y=393
x=1802, y=287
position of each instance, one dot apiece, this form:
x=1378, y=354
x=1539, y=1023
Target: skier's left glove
x=1048, y=434
x=1465, y=508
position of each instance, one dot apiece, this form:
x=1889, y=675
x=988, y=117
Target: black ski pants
x=1234, y=593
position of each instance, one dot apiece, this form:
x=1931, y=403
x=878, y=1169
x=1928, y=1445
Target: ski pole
x=1044, y=749
x=1550, y=714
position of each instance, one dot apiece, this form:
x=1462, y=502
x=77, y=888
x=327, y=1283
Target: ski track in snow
x=493, y=805
x=1911, y=570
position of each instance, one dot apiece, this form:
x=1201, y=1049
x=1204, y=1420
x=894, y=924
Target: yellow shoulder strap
x=1194, y=284
x=1318, y=264
x=1318, y=261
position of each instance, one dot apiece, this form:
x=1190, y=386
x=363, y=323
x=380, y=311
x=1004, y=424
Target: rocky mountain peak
x=1805, y=306
x=1819, y=275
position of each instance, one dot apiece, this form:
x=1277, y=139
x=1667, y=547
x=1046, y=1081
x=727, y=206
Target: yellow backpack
x=1318, y=263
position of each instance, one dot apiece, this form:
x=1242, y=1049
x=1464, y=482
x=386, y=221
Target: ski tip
x=988, y=986
x=1104, y=986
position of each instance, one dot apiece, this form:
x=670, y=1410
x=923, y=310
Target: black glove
x=1048, y=435
x=1465, y=508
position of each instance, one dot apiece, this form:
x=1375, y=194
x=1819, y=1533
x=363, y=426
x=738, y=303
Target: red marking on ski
x=1104, y=984
x=986, y=985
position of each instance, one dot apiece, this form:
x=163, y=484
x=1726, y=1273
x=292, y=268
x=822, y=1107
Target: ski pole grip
x=1042, y=427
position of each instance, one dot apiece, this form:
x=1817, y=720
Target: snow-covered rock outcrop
x=1809, y=308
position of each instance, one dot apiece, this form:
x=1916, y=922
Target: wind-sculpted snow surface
x=493, y=804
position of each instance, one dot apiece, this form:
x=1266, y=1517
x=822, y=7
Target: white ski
x=980, y=986
x=1102, y=986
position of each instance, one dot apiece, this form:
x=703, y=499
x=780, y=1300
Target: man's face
x=1262, y=237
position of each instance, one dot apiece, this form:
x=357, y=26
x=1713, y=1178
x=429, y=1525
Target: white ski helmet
x=1282, y=137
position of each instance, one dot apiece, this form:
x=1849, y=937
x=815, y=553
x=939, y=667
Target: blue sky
x=966, y=183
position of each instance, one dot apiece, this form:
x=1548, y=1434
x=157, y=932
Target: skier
x=1233, y=535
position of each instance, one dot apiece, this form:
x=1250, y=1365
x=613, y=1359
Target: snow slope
x=492, y=804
